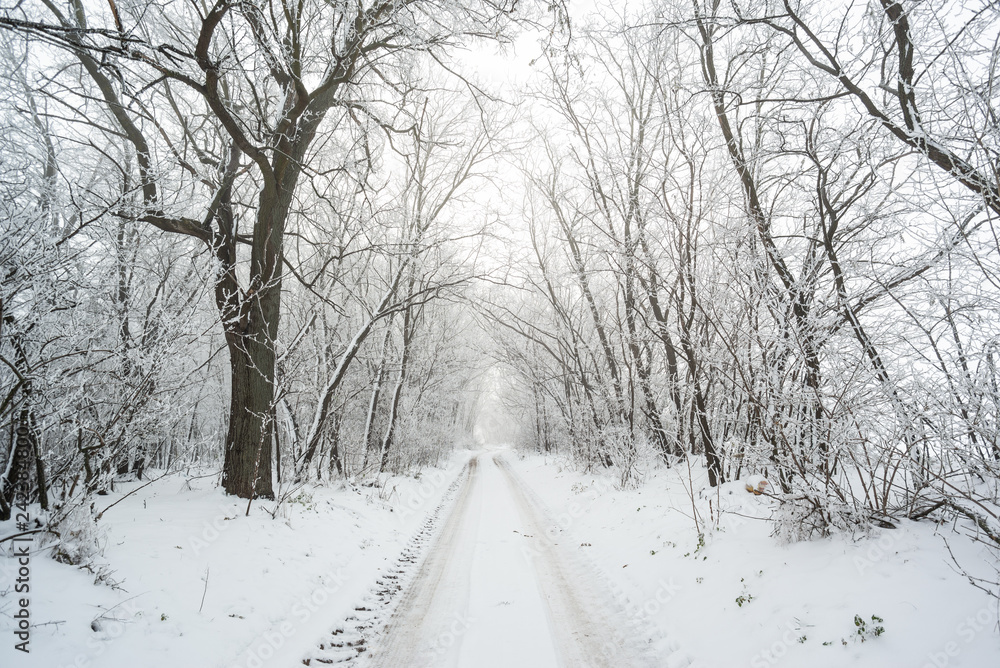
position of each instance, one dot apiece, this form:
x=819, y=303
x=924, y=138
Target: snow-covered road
x=496, y=589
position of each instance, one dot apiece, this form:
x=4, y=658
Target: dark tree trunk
x=335, y=461
x=247, y=468
x=250, y=321
x=25, y=457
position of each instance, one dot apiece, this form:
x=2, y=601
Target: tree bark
x=247, y=467
x=409, y=325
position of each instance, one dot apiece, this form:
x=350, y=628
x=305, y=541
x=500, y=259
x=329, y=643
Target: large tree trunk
x=251, y=322
x=247, y=468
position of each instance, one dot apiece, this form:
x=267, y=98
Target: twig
x=28, y=533
x=977, y=519
x=690, y=491
x=974, y=581
x=204, y=591
x=101, y=514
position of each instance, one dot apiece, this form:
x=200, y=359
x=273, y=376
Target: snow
x=478, y=591
x=276, y=586
x=798, y=600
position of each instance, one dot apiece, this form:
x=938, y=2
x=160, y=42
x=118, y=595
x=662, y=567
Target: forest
x=291, y=242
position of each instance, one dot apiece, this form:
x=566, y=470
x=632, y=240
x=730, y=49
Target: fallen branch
x=101, y=514
x=28, y=533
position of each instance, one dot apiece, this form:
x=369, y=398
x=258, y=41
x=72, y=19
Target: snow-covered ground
x=745, y=598
x=187, y=579
x=496, y=590
x=198, y=584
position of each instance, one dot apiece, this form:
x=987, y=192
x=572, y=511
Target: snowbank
x=185, y=578
x=744, y=598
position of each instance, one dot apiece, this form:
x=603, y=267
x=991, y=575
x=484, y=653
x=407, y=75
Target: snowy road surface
x=496, y=591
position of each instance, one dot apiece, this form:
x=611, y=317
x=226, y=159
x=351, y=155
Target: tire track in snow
x=348, y=643
x=587, y=625
x=497, y=590
x=497, y=547
x=427, y=598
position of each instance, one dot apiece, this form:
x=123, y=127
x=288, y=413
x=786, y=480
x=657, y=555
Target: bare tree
x=181, y=87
